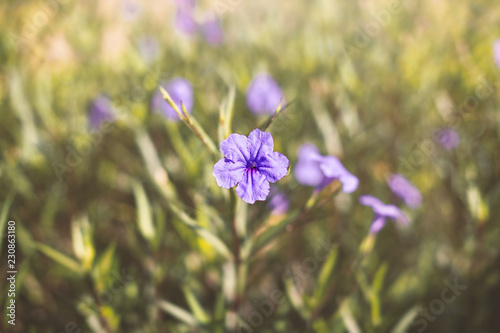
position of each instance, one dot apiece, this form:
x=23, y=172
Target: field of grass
x=120, y=225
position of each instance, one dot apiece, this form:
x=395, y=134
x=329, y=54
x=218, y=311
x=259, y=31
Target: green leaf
x=62, y=259
x=296, y=299
x=241, y=215
x=150, y=157
x=202, y=232
x=272, y=232
x=220, y=310
x=348, y=318
x=226, y=112
x=405, y=322
x=177, y=312
x=324, y=276
x=191, y=122
x=197, y=310
x=104, y=265
x=378, y=281
x=202, y=135
x=3, y=216
x=83, y=246
x=144, y=216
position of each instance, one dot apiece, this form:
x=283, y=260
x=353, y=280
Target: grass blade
x=177, y=312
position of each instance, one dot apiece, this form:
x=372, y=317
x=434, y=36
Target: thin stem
x=278, y=111
x=237, y=258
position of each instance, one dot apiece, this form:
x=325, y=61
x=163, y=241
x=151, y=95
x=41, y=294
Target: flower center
x=252, y=166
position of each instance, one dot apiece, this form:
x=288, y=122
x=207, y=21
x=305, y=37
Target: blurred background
x=121, y=227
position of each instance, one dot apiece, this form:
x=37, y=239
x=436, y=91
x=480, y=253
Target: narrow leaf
x=144, y=216
x=324, y=275
x=60, y=258
x=197, y=310
x=405, y=322
x=3, y=217
x=177, y=312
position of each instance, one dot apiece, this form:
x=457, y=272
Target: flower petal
x=308, y=173
x=259, y=144
x=349, y=182
x=377, y=224
x=370, y=201
x=402, y=187
x=253, y=186
x=308, y=152
x=392, y=212
x=185, y=22
x=279, y=202
x=235, y=148
x=263, y=94
x=228, y=173
x=212, y=31
x=333, y=168
x=274, y=166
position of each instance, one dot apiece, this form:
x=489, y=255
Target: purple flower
x=100, y=111
x=449, y=139
x=180, y=90
x=279, y=202
x=212, y=31
x=251, y=163
x=496, y=52
x=313, y=169
x=184, y=22
x=263, y=94
x=382, y=212
x=402, y=187
x=148, y=48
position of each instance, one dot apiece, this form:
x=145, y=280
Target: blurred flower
x=263, y=94
x=130, y=10
x=212, y=31
x=279, y=202
x=100, y=111
x=313, y=169
x=250, y=163
x=449, y=139
x=185, y=23
x=187, y=5
x=382, y=212
x=496, y=52
x=402, y=187
x=181, y=91
x=148, y=48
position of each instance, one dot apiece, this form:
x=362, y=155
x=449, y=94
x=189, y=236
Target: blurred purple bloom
x=449, y=139
x=100, y=111
x=180, y=90
x=279, y=202
x=212, y=31
x=185, y=23
x=251, y=163
x=148, y=48
x=263, y=94
x=382, y=212
x=496, y=52
x=313, y=169
x=130, y=10
x=187, y=5
x=402, y=187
